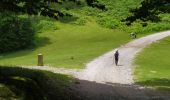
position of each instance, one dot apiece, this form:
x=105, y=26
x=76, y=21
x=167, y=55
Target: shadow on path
x=158, y=83
x=86, y=90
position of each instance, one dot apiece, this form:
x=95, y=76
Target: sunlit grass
x=153, y=65
x=68, y=45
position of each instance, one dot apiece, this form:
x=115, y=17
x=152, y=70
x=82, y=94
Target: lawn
x=67, y=45
x=153, y=66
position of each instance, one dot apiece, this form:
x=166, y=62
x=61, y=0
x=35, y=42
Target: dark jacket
x=116, y=55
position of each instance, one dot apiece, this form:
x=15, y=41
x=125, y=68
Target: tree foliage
x=33, y=7
x=42, y=7
x=15, y=33
x=95, y=3
x=149, y=10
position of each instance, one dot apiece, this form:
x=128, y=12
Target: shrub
x=45, y=25
x=15, y=33
x=80, y=21
x=109, y=22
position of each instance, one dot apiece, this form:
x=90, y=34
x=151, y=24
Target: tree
x=42, y=7
x=33, y=7
x=149, y=10
x=95, y=3
x=15, y=33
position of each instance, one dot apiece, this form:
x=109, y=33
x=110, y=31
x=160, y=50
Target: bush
x=80, y=21
x=109, y=22
x=44, y=25
x=15, y=33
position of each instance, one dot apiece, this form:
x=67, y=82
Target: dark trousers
x=116, y=61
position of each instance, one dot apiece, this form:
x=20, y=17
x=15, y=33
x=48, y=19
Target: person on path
x=116, y=55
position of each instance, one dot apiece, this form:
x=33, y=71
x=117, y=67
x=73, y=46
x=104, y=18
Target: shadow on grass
x=42, y=41
x=35, y=84
x=160, y=84
x=39, y=42
x=68, y=19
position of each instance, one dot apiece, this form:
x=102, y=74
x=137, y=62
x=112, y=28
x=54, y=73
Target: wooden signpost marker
x=40, y=60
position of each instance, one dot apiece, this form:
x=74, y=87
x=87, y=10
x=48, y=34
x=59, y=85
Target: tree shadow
x=39, y=42
x=51, y=86
x=42, y=41
x=160, y=84
x=68, y=18
x=87, y=90
x=35, y=84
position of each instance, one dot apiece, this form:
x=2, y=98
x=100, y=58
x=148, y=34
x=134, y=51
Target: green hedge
x=15, y=33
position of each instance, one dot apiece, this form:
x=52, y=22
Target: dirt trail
x=103, y=69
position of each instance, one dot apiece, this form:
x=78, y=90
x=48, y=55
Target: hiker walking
x=116, y=55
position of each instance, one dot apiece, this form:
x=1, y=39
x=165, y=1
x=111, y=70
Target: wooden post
x=40, y=60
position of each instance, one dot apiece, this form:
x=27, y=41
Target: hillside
x=68, y=46
x=75, y=40
x=72, y=42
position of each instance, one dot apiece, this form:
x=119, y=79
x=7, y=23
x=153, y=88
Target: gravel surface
x=72, y=72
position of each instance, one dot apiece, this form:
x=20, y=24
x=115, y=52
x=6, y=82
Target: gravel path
x=102, y=80
x=72, y=72
x=103, y=69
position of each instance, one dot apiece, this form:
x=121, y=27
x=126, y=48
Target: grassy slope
x=82, y=43
x=153, y=65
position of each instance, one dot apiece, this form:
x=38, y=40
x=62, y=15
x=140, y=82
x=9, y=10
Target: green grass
x=153, y=65
x=67, y=45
